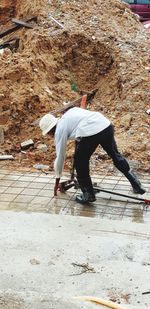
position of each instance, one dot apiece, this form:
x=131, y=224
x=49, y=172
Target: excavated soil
x=100, y=44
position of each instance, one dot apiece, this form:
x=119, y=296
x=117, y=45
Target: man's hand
x=56, y=187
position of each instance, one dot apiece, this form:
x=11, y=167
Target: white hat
x=47, y=122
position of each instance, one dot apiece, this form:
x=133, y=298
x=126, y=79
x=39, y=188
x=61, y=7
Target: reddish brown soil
x=102, y=45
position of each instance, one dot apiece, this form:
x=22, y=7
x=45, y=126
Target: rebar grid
x=33, y=191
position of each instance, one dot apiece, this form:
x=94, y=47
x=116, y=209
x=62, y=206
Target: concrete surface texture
x=46, y=260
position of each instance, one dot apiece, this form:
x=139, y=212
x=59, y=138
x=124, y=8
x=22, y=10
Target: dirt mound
x=7, y=10
x=99, y=45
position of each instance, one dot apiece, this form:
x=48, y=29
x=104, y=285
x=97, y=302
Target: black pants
x=86, y=147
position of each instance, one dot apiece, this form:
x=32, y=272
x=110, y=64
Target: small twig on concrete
x=86, y=269
x=144, y=293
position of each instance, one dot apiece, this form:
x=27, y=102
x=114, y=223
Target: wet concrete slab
x=33, y=192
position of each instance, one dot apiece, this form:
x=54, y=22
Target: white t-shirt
x=76, y=122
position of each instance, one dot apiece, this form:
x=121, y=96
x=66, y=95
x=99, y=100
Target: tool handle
x=146, y=201
x=90, y=97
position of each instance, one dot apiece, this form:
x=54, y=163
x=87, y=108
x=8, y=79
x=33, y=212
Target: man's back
x=80, y=122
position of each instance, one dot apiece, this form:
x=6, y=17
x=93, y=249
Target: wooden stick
x=100, y=301
x=74, y=103
x=21, y=23
x=16, y=27
x=67, y=106
x=57, y=22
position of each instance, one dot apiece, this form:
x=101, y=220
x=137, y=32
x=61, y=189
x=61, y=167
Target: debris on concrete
x=144, y=293
x=86, y=268
x=34, y=262
x=41, y=166
x=6, y=157
x=42, y=147
x=27, y=144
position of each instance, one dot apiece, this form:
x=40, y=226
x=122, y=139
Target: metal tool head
x=66, y=185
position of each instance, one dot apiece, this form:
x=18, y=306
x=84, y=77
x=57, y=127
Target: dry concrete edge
x=38, y=252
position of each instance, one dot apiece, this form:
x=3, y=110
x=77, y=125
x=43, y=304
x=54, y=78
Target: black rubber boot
x=135, y=183
x=86, y=187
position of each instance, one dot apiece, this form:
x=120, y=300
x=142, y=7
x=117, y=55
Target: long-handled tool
x=98, y=189
x=66, y=185
x=56, y=112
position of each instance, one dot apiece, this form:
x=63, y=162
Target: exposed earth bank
x=98, y=45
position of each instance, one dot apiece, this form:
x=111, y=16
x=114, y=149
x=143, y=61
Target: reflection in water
x=65, y=204
x=87, y=210
x=55, y=206
x=138, y=215
x=74, y=209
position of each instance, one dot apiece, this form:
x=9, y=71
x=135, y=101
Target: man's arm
x=60, y=143
x=83, y=103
